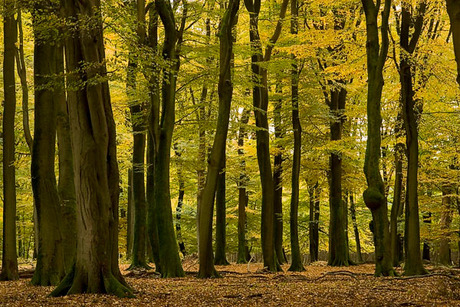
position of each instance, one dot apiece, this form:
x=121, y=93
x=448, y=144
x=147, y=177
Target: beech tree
x=95, y=157
x=374, y=195
x=9, y=256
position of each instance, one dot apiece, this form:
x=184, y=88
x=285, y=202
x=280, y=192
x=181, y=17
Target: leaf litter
x=249, y=285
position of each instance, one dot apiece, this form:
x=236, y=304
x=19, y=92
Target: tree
x=374, y=195
x=453, y=9
x=220, y=257
x=314, y=192
x=260, y=103
x=411, y=112
x=49, y=91
x=225, y=90
x=296, y=263
x=95, y=161
x=9, y=256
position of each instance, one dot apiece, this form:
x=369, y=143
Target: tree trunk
x=221, y=218
x=411, y=112
x=374, y=195
x=338, y=237
x=95, y=164
x=296, y=262
x=9, y=256
x=313, y=226
x=453, y=9
x=446, y=219
x=243, y=251
x=50, y=268
x=130, y=216
x=180, y=200
x=278, y=181
x=169, y=255
x=355, y=228
x=225, y=89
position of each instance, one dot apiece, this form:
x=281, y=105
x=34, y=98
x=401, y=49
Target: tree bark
x=374, y=195
x=243, y=251
x=221, y=218
x=225, y=90
x=180, y=200
x=278, y=181
x=94, y=151
x=313, y=226
x=453, y=9
x=411, y=112
x=296, y=261
x=50, y=268
x=355, y=228
x=446, y=219
x=9, y=256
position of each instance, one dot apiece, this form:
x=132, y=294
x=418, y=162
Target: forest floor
x=248, y=285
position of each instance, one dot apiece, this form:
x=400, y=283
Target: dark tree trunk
x=153, y=139
x=355, y=228
x=338, y=236
x=453, y=9
x=95, y=163
x=374, y=195
x=260, y=103
x=9, y=256
x=296, y=262
x=411, y=112
x=50, y=268
x=221, y=216
x=225, y=89
x=130, y=216
x=243, y=251
x=278, y=182
x=180, y=200
x=313, y=226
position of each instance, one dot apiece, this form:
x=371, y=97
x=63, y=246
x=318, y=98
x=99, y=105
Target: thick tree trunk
x=221, y=216
x=9, y=256
x=225, y=89
x=243, y=251
x=338, y=236
x=95, y=164
x=413, y=262
x=453, y=9
x=374, y=195
x=355, y=228
x=50, y=267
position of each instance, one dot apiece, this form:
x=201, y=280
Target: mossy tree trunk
x=243, y=250
x=50, y=268
x=225, y=90
x=411, y=113
x=9, y=256
x=374, y=195
x=296, y=261
x=94, y=152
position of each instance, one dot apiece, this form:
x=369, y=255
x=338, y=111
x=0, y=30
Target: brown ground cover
x=248, y=285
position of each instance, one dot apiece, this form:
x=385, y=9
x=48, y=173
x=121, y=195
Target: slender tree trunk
x=50, y=268
x=313, y=226
x=221, y=219
x=9, y=256
x=411, y=112
x=446, y=219
x=169, y=255
x=278, y=181
x=242, y=193
x=180, y=200
x=130, y=216
x=296, y=262
x=355, y=228
x=95, y=164
x=374, y=195
x=225, y=89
